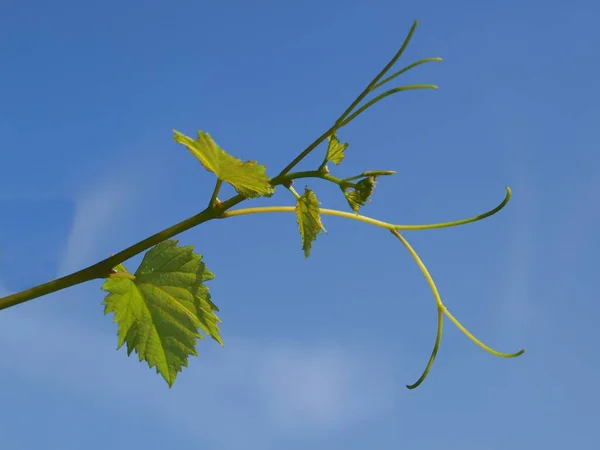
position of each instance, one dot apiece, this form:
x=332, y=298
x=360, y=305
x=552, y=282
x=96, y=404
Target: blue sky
x=317, y=352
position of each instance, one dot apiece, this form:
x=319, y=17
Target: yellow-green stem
x=369, y=220
x=441, y=308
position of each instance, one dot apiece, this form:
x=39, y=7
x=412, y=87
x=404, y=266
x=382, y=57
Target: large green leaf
x=161, y=310
x=335, y=150
x=361, y=194
x=309, y=219
x=248, y=178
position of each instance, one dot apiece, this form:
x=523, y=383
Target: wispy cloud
x=118, y=201
x=580, y=212
x=516, y=304
x=97, y=213
x=544, y=261
x=323, y=386
x=248, y=395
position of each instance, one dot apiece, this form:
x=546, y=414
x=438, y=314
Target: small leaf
x=335, y=150
x=160, y=312
x=309, y=219
x=248, y=178
x=361, y=194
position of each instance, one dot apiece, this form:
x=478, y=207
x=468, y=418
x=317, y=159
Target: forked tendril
x=441, y=308
x=347, y=116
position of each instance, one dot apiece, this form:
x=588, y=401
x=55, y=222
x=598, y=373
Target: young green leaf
x=335, y=150
x=160, y=311
x=248, y=178
x=309, y=219
x=361, y=194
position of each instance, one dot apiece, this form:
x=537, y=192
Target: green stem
x=281, y=179
x=103, y=268
x=305, y=152
x=81, y=276
x=214, y=197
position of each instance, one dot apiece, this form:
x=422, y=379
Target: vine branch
x=362, y=189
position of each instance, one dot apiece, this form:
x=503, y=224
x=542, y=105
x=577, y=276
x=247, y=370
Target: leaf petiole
x=293, y=191
x=214, y=199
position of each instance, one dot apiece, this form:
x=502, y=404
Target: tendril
x=478, y=342
x=392, y=228
x=369, y=220
x=438, y=339
x=443, y=310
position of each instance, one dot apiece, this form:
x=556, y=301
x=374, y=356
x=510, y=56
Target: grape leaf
x=160, y=312
x=309, y=219
x=248, y=178
x=335, y=150
x=361, y=194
